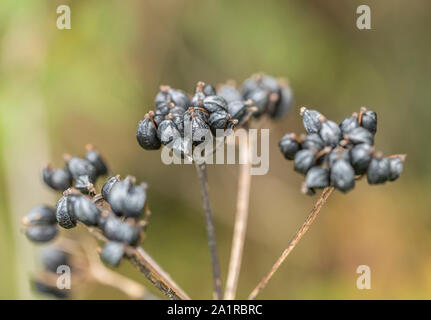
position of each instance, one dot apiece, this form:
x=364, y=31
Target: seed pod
x=52, y=258
x=369, y=120
x=107, y=187
x=41, y=233
x=336, y=154
x=53, y=291
x=57, y=179
x=396, y=167
x=167, y=131
x=83, y=209
x=215, y=103
x=317, y=178
x=350, y=123
x=94, y=157
x=360, y=135
x=112, y=253
x=361, y=155
x=329, y=132
x=83, y=184
x=117, y=230
x=289, y=146
x=379, y=170
x=285, y=103
x=126, y=199
x=304, y=160
x=147, y=133
x=311, y=121
x=218, y=120
x=229, y=93
x=40, y=215
x=64, y=215
x=80, y=167
x=313, y=141
x=342, y=175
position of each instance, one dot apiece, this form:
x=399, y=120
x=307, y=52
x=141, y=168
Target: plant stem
x=294, y=241
x=149, y=268
x=241, y=217
x=217, y=287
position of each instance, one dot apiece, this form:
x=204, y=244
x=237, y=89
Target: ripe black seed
x=342, y=175
x=237, y=109
x=337, y=154
x=285, y=103
x=83, y=209
x=259, y=98
x=330, y=132
x=126, y=199
x=350, y=123
x=198, y=99
x=311, y=121
x=289, y=146
x=117, y=230
x=379, y=170
x=395, y=168
x=369, y=120
x=57, y=179
x=197, y=120
x=304, y=160
x=65, y=217
x=215, y=103
x=107, y=187
x=317, y=178
x=360, y=135
x=209, y=90
x=41, y=233
x=229, y=93
x=218, y=120
x=361, y=155
x=313, y=141
x=179, y=98
x=167, y=131
x=83, y=184
x=81, y=167
x=94, y=157
x=270, y=84
x=147, y=134
x=112, y=253
x=52, y=258
x=40, y=215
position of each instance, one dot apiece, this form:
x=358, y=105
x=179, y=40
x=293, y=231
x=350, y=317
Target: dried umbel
x=337, y=155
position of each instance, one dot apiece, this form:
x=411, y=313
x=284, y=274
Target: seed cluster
x=116, y=211
x=177, y=115
x=332, y=154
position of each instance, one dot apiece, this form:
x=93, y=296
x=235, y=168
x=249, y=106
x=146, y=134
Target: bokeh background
x=60, y=90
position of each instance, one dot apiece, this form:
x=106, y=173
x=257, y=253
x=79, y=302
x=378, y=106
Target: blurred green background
x=60, y=90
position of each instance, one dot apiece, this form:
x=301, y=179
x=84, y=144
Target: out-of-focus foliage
x=62, y=89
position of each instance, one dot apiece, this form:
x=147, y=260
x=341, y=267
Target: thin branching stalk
x=217, y=286
x=294, y=241
x=241, y=217
x=149, y=268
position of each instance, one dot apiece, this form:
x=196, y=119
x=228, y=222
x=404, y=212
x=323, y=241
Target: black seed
x=41, y=233
x=342, y=175
x=65, y=217
x=94, y=157
x=215, y=103
x=147, y=134
x=107, y=187
x=197, y=121
x=304, y=160
x=229, y=93
x=81, y=167
x=40, y=215
x=360, y=135
x=350, y=123
x=52, y=258
x=337, y=154
x=284, y=104
x=209, y=90
x=83, y=209
x=378, y=171
x=179, y=98
x=49, y=290
x=259, y=99
x=317, y=178
x=198, y=99
x=167, y=131
x=313, y=141
x=126, y=199
x=395, y=167
x=57, y=179
x=369, y=120
x=218, y=120
x=117, y=230
x=112, y=253
x=289, y=146
x=330, y=132
x=361, y=155
x=311, y=121
x=83, y=184
x=237, y=109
